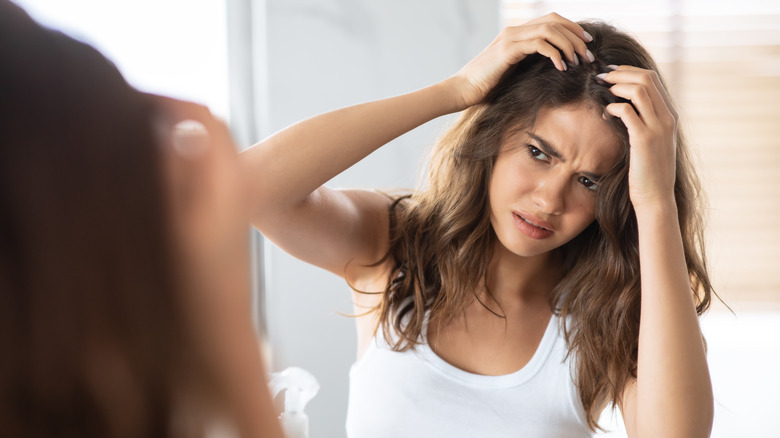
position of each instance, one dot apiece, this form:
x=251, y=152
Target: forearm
x=309, y=153
x=673, y=392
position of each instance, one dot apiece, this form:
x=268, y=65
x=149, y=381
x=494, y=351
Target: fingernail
x=563, y=63
x=602, y=76
x=590, y=56
x=190, y=138
x=588, y=37
x=612, y=67
x=576, y=59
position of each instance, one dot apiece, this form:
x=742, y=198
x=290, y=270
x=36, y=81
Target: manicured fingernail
x=576, y=59
x=602, y=76
x=563, y=63
x=590, y=56
x=588, y=37
x=612, y=67
x=190, y=138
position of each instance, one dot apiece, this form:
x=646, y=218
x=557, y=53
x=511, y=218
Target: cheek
x=510, y=181
x=583, y=209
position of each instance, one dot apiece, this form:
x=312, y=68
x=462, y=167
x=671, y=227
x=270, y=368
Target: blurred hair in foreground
x=94, y=332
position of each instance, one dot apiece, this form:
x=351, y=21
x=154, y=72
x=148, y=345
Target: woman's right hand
x=551, y=35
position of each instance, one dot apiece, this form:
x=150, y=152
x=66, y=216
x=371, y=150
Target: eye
x=536, y=153
x=588, y=183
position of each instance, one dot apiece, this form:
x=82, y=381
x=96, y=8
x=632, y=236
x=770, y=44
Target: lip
x=536, y=221
x=537, y=229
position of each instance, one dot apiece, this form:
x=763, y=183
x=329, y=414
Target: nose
x=549, y=195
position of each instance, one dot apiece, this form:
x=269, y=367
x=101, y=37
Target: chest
x=490, y=345
x=416, y=393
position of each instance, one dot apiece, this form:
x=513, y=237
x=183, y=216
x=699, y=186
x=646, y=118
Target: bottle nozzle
x=301, y=387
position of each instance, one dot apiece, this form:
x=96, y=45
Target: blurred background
x=265, y=64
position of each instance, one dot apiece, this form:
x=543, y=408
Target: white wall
x=743, y=352
x=325, y=54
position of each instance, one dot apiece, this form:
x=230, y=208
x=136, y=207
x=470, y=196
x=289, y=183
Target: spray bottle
x=301, y=387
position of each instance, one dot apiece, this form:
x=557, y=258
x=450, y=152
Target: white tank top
x=418, y=394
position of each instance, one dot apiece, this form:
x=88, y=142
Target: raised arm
x=327, y=227
x=330, y=228
x=672, y=395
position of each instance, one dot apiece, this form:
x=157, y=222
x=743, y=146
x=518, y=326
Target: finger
x=649, y=93
x=517, y=45
x=174, y=112
x=557, y=35
x=628, y=73
x=553, y=34
x=520, y=35
x=640, y=98
x=625, y=112
x=628, y=81
x=579, y=44
x=573, y=27
x=179, y=110
x=544, y=48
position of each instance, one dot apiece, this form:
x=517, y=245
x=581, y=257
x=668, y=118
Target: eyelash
x=535, y=153
x=583, y=180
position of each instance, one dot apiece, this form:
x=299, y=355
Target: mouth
x=532, y=227
x=533, y=220
x=532, y=223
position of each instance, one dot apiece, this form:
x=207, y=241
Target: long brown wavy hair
x=94, y=337
x=441, y=238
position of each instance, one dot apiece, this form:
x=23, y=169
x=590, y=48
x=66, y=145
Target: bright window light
x=171, y=47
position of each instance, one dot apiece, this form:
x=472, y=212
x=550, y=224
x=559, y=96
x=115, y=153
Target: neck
x=514, y=279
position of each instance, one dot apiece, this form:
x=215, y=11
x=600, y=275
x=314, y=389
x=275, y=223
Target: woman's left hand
x=652, y=132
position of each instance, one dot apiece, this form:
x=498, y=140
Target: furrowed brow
x=592, y=176
x=546, y=147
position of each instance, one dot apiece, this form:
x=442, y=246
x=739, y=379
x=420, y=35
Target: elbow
x=706, y=411
x=695, y=421
x=702, y=415
x=707, y=414
x=700, y=420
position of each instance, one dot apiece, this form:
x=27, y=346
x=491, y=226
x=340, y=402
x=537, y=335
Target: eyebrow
x=548, y=149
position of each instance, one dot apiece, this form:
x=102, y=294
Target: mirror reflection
x=518, y=237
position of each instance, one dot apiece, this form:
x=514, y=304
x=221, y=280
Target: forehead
x=579, y=133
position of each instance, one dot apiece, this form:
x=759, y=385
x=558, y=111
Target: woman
x=552, y=265
x=124, y=309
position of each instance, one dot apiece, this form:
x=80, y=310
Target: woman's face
x=542, y=190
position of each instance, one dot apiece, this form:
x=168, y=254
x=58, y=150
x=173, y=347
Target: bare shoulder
x=371, y=203
x=371, y=210
x=369, y=274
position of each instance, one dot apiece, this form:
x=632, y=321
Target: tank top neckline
x=524, y=374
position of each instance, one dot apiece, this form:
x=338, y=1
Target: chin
x=526, y=249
